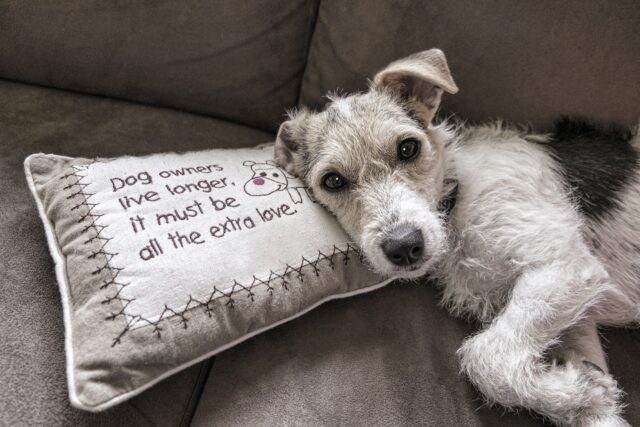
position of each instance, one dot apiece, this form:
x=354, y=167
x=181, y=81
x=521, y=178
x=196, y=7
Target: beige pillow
x=165, y=260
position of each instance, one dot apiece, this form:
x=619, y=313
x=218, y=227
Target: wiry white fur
x=616, y=242
x=343, y=106
x=520, y=262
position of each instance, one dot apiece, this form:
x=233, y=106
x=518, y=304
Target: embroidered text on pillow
x=96, y=232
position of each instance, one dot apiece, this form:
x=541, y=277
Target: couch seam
x=162, y=106
x=313, y=24
x=197, y=391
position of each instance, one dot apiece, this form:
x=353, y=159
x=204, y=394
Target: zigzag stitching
x=78, y=189
x=237, y=288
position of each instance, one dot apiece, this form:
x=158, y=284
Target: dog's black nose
x=404, y=246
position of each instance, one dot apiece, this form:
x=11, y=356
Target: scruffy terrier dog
x=542, y=244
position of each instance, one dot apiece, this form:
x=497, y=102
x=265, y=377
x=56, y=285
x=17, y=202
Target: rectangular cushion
x=165, y=260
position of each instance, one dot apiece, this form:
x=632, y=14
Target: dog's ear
x=290, y=142
x=248, y=163
x=419, y=79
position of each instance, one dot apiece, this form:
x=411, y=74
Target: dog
x=542, y=244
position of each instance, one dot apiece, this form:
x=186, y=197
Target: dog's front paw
x=604, y=387
x=605, y=421
x=597, y=395
x=572, y=392
x=605, y=397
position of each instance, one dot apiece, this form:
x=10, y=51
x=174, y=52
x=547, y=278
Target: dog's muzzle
x=404, y=246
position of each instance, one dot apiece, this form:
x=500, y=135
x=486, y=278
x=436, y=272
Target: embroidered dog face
x=376, y=162
x=267, y=179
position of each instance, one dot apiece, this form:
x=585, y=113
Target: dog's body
x=540, y=245
x=542, y=270
x=519, y=205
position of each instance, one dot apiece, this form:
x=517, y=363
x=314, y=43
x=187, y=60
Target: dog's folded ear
x=288, y=148
x=419, y=79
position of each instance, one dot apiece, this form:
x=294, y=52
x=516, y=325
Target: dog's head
x=376, y=162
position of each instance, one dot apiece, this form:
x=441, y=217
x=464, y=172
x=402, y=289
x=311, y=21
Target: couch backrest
x=238, y=60
x=527, y=60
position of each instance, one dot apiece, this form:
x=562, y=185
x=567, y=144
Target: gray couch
x=96, y=78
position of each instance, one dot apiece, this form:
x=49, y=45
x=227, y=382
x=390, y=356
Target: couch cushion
x=32, y=370
x=242, y=62
x=381, y=359
x=525, y=61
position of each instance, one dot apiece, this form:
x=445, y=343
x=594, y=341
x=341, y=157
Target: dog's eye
x=408, y=149
x=333, y=181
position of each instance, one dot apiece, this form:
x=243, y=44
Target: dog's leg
x=506, y=361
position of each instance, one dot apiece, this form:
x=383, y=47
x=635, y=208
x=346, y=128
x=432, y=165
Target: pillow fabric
x=165, y=260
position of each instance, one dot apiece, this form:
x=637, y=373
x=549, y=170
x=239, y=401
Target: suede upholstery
x=212, y=57
x=367, y=361
x=525, y=61
x=381, y=359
